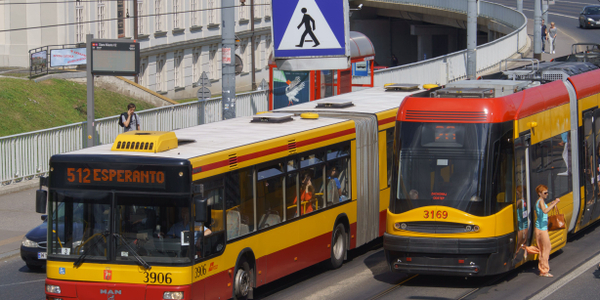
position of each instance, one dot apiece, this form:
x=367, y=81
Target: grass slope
x=28, y=106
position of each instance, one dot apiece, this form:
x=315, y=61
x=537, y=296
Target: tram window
x=540, y=165
x=561, y=161
x=269, y=195
x=389, y=141
x=502, y=179
x=239, y=203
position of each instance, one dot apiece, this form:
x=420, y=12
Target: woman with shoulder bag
x=541, y=230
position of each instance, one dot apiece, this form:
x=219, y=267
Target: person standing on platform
x=129, y=119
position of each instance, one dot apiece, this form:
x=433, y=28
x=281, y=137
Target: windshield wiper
x=135, y=254
x=79, y=260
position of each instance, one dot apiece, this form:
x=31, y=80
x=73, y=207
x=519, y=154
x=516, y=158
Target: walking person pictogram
x=306, y=20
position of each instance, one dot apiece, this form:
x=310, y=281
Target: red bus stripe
x=385, y=121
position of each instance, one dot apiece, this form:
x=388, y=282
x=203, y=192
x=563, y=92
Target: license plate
x=42, y=255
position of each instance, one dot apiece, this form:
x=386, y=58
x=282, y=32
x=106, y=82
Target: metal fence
x=453, y=66
x=26, y=155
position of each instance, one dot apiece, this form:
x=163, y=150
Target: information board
x=115, y=57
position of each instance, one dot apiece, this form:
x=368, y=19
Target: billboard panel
x=39, y=60
x=68, y=57
x=290, y=88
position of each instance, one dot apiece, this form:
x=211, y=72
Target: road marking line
x=24, y=282
x=11, y=240
x=555, y=14
x=567, y=278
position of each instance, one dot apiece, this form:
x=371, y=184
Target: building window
x=141, y=12
x=258, y=64
x=243, y=12
x=195, y=7
x=196, y=65
x=160, y=66
x=176, y=16
x=257, y=8
x=247, y=56
x=157, y=15
x=267, y=7
x=142, y=76
x=79, y=19
x=212, y=12
x=213, y=61
x=101, y=17
x=178, y=69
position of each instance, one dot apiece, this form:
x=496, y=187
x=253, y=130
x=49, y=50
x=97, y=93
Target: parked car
x=33, y=246
x=590, y=16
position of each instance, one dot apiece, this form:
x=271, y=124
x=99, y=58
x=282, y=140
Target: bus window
x=269, y=195
x=291, y=191
x=239, y=203
x=210, y=238
x=312, y=185
x=337, y=183
x=389, y=140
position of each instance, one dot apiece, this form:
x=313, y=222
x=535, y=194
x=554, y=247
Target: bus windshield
x=441, y=164
x=101, y=226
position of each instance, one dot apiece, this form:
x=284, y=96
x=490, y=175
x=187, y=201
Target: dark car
x=33, y=246
x=590, y=17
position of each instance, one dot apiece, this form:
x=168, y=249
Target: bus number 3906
x=440, y=214
x=152, y=277
x=200, y=271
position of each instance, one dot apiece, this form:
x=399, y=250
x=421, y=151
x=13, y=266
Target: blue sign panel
x=308, y=28
x=360, y=68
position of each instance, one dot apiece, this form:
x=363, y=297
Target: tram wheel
x=338, y=246
x=242, y=284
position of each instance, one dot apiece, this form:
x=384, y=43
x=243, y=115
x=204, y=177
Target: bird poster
x=290, y=87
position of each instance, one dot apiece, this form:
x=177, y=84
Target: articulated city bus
x=469, y=156
x=214, y=211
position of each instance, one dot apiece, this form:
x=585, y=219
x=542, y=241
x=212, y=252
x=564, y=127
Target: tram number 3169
x=440, y=214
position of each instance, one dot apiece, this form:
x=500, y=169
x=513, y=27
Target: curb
x=9, y=254
x=18, y=187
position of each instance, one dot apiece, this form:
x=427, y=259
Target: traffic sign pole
x=91, y=129
x=228, y=59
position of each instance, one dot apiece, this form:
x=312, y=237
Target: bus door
x=595, y=154
x=523, y=208
x=590, y=168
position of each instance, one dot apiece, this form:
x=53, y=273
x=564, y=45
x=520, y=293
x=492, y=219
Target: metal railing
x=453, y=66
x=26, y=155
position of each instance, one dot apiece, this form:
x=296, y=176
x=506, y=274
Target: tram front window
x=441, y=164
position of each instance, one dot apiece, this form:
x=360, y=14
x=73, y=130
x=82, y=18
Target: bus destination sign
x=115, y=177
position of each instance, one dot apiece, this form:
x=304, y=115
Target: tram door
x=596, y=155
x=523, y=211
x=590, y=163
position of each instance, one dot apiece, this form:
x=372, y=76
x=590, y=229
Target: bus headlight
x=468, y=228
x=54, y=289
x=28, y=243
x=476, y=228
x=173, y=295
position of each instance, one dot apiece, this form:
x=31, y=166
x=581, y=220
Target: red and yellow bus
x=214, y=211
x=469, y=156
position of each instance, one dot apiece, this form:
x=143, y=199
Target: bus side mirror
x=40, y=201
x=202, y=213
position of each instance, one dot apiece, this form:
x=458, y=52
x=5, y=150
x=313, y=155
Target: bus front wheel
x=338, y=246
x=242, y=284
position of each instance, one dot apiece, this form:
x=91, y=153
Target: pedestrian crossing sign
x=310, y=28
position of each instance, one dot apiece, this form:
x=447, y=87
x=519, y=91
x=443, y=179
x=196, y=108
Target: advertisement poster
x=39, y=60
x=290, y=88
x=68, y=57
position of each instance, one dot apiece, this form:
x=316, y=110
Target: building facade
x=179, y=39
